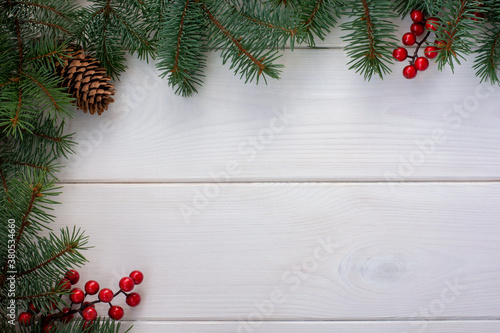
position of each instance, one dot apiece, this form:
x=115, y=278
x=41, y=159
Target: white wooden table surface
x=319, y=203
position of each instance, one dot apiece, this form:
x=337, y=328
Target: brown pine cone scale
x=86, y=81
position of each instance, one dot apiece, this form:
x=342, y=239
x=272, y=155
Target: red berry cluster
x=417, y=29
x=85, y=309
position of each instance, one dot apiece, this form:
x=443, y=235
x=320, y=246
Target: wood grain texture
x=375, y=241
x=320, y=122
x=295, y=251
x=321, y=327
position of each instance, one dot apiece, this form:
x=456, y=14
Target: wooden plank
x=320, y=122
x=319, y=327
x=295, y=251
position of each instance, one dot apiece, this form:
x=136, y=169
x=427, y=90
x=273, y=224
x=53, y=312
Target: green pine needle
x=182, y=47
x=371, y=38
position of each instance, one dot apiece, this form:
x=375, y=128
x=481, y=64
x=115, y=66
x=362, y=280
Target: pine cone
x=87, y=82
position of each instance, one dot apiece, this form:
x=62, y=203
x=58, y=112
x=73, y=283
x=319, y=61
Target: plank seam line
x=277, y=182
x=199, y=321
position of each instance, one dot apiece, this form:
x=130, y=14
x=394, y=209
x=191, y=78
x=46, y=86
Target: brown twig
x=68, y=248
x=25, y=164
x=235, y=41
x=4, y=183
x=58, y=108
x=178, y=49
x=41, y=6
x=314, y=12
x=372, y=53
x=269, y=25
x=48, y=25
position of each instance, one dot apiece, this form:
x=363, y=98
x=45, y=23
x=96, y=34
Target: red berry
x=67, y=317
x=115, y=312
x=431, y=52
x=33, y=308
x=400, y=54
x=89, y=314
x=133, y=299
x=106, y=295
x=479, y=15
x=422, y=63
x=91, y=287
x=432, y=23
x=417, y=16
x=417, y=29
x=54, y=305
x=126, y=284
x=48, y=328
x=77, y=295
x=410, y=72
x=87, y=326
x=64, y=285
x=409, y=39
x=137, y=276
x=73, y=276
x=25, y=318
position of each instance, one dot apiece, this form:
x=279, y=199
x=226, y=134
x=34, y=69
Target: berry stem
x=119, y=292
x=419, y=44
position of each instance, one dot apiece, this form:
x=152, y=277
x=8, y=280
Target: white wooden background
x=319, y=203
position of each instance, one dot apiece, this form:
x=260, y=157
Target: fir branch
x=311, y=17
x=280, y=25
x=55, y=139
x=19, y=44
x=4, y=184
x=372, y=52
x=284, y=3
x=41, y=295
x=430, y=7
x=70, y=247
x=53, y=256
x=49, y=136
x=107, y=28
x=43, y=6
x=178, y=47
x=487, y=63
x=371, y=40
x=47, y=52
x=35, y=193
x=455, y=31
x=269, y=25
x=15, y=120
x=46, y=55
x=24, y=223
x=318, y=17
x=236, y=42
x=249, y=55
x=34, y=166
x=184, y=61
x=11, y=80
x=143, y=41
x=48, y=24
x=46, y=92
